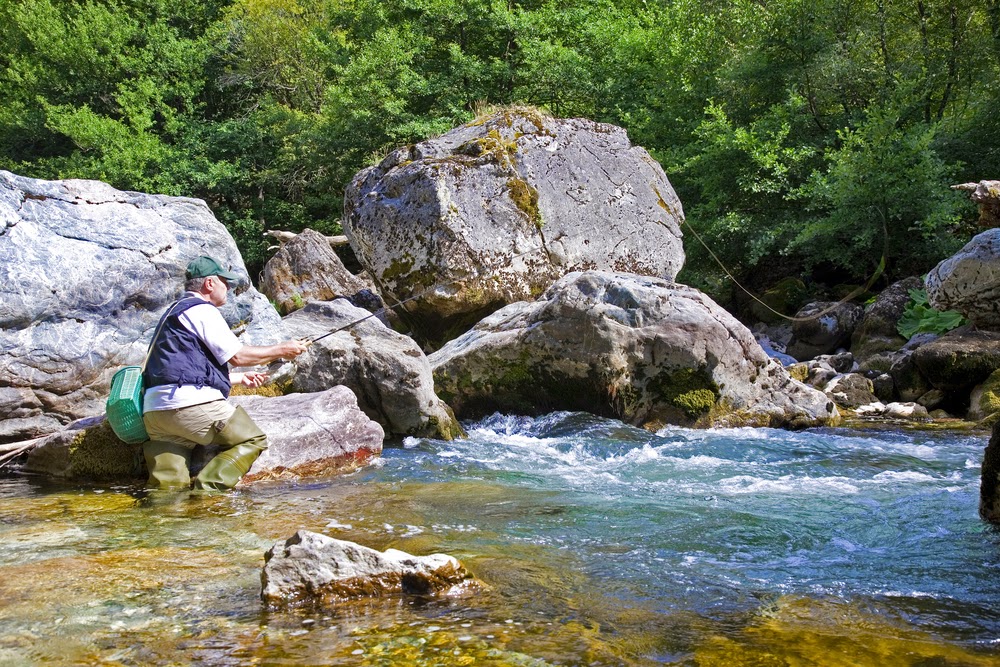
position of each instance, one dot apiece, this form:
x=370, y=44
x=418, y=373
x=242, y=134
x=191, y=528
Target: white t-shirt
x=206, y=322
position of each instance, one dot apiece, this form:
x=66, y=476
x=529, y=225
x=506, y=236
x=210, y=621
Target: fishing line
x=791, y=318
x=857, y=291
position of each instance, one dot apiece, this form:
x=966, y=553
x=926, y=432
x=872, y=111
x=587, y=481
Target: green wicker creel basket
x=124, y=406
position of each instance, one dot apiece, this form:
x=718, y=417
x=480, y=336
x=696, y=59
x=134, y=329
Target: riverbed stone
x=850, y=390
x=494, y=211
x=388, y=371
x=959, y=360
x=644, y=350
x=85, y=273
x=312, y=569
x=308, y=435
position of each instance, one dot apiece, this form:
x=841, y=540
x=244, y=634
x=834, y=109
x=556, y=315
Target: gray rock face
x=307, y=269
x=85, y=273
x=388, y=371
x=640, y=349
x=313, y=569
x=969, y=281
x=309, y=435
x=830, y=326
x=494, y=211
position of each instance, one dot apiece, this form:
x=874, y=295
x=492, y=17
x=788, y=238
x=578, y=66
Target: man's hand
x=253, y=379
x=293, y=348
x=254, y=355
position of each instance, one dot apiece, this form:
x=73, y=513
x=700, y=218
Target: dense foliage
x=804, y=136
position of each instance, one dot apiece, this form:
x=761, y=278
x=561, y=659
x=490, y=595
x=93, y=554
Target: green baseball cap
x=203, y=267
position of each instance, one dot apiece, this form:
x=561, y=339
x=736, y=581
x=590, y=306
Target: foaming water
x=601, y=544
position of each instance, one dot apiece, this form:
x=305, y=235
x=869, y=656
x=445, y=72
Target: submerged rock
x=494, y=211
x=309, y=568
x=644, y=350
x=85, y=273
x=308, y=435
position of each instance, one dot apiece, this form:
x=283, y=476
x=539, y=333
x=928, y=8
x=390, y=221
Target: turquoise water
x=600, y=544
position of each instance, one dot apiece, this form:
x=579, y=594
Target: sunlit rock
x=969, y=281
x=643, y=350
x=309, y=568
x=85, y=273
x=387, y=371
x=494, y=211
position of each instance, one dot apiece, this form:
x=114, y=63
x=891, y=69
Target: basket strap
x=159, y=327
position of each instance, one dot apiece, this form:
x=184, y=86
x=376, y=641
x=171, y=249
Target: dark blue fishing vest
x=179, y=356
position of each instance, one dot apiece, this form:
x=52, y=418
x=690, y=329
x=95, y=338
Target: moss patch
x=97, y=454
x=525, y=197
x=689, y=390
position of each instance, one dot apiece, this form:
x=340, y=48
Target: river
x=600, y=544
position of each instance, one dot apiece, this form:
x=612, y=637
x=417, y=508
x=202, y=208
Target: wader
x=242, y=442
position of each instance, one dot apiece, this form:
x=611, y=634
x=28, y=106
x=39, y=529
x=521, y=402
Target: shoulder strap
x=159, y=327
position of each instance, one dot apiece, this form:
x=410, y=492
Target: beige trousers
x=190, y=426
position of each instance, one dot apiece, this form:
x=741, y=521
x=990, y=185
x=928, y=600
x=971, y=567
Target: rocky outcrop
x=85, y=272
x=969, y=281
x=822, y=327
x=386, y=370
x=644, y=350
x=306, y=269
x=494, y=211
x=309, y=435
x=313, y=569
x=877, y=335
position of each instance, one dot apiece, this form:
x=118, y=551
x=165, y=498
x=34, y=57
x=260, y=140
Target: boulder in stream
x=313, y=569
x=85, y=273
x=644, y=350
x=494, y=211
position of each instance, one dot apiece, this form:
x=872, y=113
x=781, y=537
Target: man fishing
x=187, y=383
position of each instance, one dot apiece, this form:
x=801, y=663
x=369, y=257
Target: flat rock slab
x=309, y=568
x=309, y=435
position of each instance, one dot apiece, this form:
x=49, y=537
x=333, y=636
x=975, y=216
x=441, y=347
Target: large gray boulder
x=388, y=371
x=644, y=350
x=85, y=273
x=494, y=211
x=312, y=569
x=969, y=281
x=308, y=435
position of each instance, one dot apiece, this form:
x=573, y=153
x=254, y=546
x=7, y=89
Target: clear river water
x=600, y=544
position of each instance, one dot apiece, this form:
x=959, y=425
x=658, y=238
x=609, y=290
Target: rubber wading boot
x=167, y=463
x=245, y=442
